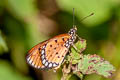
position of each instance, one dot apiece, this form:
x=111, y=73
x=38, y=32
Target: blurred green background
x=24, y=23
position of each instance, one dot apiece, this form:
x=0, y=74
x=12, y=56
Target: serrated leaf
x=94, y=64
x=75, y=61
x=74, y=54
x=81, y=46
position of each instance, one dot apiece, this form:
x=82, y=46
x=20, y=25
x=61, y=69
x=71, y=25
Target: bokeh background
x=24, y=23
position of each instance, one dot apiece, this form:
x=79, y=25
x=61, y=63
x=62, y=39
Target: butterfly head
x=73, y=31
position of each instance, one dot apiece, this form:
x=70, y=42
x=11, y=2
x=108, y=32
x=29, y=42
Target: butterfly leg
x=75, y=48
x=78, y=37
x=69, y=52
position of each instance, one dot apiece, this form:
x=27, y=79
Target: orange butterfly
x=51, y=53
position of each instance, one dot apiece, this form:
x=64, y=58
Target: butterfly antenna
x=81, y=19
x=87, y=17
x=73, y=17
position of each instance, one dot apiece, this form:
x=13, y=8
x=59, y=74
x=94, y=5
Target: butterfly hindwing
x=34, y=56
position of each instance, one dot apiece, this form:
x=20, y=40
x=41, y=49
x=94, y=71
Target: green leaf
x=94, y=64
x=81, y=46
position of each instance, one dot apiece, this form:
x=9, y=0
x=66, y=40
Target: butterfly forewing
x=50, y=53
x=55, y=51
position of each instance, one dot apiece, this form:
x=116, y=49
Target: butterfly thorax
x=72, y=31
x=72, y=39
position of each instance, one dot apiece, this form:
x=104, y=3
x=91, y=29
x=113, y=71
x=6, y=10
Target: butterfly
x=50, y=54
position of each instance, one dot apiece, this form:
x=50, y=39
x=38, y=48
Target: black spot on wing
x=50, y=45
x=56, y=52
x=56, y=41
x=55, y=48
x=63, y=39
x=62, y=45
x=62, y=56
